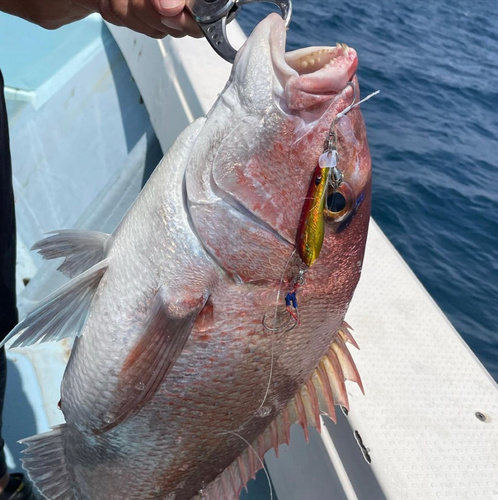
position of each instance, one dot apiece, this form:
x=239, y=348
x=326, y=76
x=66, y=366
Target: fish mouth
x=311, y=76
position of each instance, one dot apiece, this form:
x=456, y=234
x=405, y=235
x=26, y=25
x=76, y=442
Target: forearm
x=155, y=18
x=49, y=14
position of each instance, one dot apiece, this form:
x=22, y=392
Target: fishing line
x=369, y=96
x=272, y=353
x=273, y=330
x=272, y=358
x=345, y=111
x=257, y=456
x=276, y=328
x=280, y=328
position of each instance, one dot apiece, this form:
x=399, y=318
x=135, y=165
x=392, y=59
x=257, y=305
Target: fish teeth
x=345, y=49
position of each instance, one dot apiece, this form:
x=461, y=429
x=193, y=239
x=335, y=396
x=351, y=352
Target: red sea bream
x=184, y=351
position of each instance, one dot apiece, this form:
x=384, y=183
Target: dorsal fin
x=324, y=389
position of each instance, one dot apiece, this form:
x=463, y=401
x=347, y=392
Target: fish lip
x=272, y=33
x=301, y=79
x=310, y=75
x=278, y=37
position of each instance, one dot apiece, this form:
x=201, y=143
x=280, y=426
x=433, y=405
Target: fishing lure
x=329, y=198
x=311, y=229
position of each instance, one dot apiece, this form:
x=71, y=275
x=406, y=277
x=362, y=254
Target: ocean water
x=433, y=138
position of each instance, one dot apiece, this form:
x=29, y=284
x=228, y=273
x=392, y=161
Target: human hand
x=155, y=18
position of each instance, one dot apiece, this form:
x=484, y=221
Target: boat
x=91, y=109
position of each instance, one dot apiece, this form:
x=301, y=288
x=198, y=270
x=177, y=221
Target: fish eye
x=339, y=203
x=336, y=202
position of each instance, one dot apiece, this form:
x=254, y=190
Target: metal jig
x=311, y=225
x=310, y=232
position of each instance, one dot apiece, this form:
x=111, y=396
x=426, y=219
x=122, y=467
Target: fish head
x=260, y=147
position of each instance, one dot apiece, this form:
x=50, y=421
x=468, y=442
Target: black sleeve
x=8, y=310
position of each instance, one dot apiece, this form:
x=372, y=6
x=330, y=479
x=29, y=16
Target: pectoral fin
x=165, y=333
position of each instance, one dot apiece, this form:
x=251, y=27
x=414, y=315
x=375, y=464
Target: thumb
x=168, y=8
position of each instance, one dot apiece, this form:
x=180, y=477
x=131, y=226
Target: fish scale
x=188, y=352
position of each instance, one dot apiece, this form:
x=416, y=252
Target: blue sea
x=433, y=139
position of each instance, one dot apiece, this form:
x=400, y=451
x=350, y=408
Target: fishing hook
x=331, y=141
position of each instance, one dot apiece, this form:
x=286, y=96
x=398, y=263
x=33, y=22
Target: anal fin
x=62, y=314
x=45, y=461
x=325, y=388
x=80, y=248
x=163, y=337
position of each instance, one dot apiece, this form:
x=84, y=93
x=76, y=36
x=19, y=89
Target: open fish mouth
x=311, y=75
x=323, y=72
x=313, y=59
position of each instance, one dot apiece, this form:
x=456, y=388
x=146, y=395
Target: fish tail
x=80, y=248
x=45, y=461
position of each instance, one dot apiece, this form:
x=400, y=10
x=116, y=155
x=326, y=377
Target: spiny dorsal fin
x=80, y=248
x=346, y=335
x=324, y=389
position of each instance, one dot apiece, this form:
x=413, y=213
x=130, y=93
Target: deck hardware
x=363, y=448
x=481, y=416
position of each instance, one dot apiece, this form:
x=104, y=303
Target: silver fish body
x=174, y=371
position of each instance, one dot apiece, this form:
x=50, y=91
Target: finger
x=183, y=22
x=91, y=5
x=107, y=15
x=145, y=11
x=119, y=13
x=180, y=23
x=176, y=33
x=105, y=12
x=168, y=8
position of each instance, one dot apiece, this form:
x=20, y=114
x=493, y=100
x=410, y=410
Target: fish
x=186, y=366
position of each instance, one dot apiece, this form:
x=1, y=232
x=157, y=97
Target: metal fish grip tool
x=213, y=16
